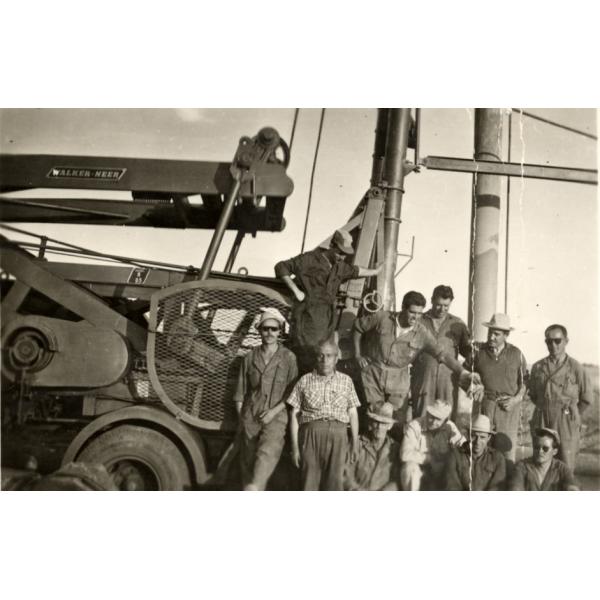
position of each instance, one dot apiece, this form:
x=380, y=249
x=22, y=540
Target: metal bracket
x=409, y=256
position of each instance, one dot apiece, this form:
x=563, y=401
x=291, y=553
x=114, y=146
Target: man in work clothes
x=430, y=379
x=561, y=390
x=503, y=372
x=266, y=376
x=323, y=403
x=426, y=446
x=377, y=466
x=398, y=341
x=474, y=465
x=318, y=276
x=543, y=472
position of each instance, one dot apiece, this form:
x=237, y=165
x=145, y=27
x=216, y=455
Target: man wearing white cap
x=425, y=448
x=475, y=465
x=543, y=472
x=503, y=372
x=377, y=466
x=318, y=275
x=266, y=376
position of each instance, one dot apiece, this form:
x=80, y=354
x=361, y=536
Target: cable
x=559, y=125
x=312, y=178
x=296, y=112
x=507, y=217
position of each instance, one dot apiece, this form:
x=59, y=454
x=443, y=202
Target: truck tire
x=139, y=458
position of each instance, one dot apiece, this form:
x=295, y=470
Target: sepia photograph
x=299, y=299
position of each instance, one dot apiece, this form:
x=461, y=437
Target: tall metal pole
x=485, y=223
x=395, y=156
x=380, y=141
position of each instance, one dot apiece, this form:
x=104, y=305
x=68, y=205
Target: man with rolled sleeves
x=317, y=276
x=266, y=376
x=397, y=339
x=323, y=404
x=543, y=472
x=475, y=466
x=503, y=372
x=430, y=379
x=561, y=390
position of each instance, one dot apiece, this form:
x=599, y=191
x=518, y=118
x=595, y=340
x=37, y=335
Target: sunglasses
x=543, y=448
x=554, y=340
x=267, y=328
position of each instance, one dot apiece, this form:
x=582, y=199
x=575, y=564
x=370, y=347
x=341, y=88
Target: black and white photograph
x=299, y=299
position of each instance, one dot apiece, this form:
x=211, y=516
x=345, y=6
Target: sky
x=553, y=241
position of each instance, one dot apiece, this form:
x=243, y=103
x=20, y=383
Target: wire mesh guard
x=200, y=336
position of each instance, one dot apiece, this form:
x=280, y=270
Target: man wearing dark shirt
x=474, y=465
x=503, y=372
x=543, y=472
x=318, y=275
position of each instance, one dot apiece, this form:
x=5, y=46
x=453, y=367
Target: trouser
x=323, y=449
x=389, y=384
x=260, y=453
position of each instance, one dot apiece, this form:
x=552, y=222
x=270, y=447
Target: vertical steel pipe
x=394, y=171
x=379, y=150
x=485, y=223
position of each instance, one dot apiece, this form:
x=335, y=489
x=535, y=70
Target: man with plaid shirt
x=323, y=403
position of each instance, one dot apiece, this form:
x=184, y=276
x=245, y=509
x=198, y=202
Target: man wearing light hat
x=543, y=472
x=503, y=372
x=266, y=376
x=425, y=448
x=377, y=466
x=318, y=275
x=475, y=465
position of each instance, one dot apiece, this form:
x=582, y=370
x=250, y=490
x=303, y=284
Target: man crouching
x=377, y=466
x=323, y=403
x=425, y=448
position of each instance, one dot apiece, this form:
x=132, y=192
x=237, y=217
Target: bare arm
x=298, y=293
x=353, y=414
x=364, y=272
x=356, y=340
x=294, y=436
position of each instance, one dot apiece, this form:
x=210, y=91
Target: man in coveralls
x=266, y=376
x=318, y=276
x=561, y=390
x=400, y=339
x=430, y=379
x=503, y=372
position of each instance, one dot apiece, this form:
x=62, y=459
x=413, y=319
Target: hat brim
x=345, y=249
x=380, y=418
x=493, y=326
x=548, y=432
x=482, y=431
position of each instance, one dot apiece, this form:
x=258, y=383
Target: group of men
x=411, y=378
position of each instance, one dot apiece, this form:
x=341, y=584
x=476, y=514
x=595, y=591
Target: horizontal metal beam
x=486, y=167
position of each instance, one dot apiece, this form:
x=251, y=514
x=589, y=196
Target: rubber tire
x=152, y=447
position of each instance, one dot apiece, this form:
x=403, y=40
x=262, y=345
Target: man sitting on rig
x=318, y=275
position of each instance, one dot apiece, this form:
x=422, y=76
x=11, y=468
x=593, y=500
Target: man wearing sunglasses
x=266, y=376
x=543, y=472
x=560, y=389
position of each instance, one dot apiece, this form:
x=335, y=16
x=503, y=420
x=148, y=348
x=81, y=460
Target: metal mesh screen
x=201, y=336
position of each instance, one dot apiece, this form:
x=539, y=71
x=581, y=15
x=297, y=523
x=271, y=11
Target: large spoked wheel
x=139, y=458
